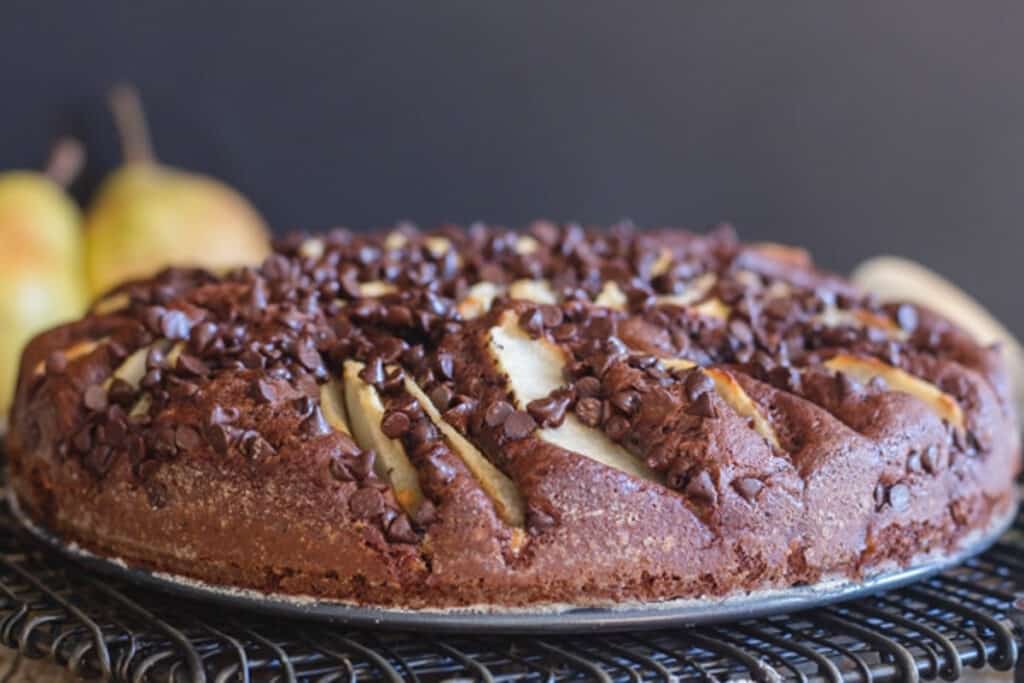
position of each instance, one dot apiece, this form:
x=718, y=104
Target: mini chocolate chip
x=748, y=487
x=519, y=425
x=121, y=392
x=628, y=401
x=175, y=325
x=697, y=383
x=82, y=441
x=222, y=415
x=588, y=386
x=256, y=447
x=186, y=438
x=588, y=410
x=56, y=363
x=266, y=391
x=552, y=315
x=441, y=397
x=309, y=356
x=315, y=424
x=703, y=407
x=191, y=365
x=100, y=459
x=425, y=515
x=395, y=424
x=899, y=497
x=446, y=365
x=931, y=460
x=400, y=531
x=906, y=317
x=497, y=413
x=219, y=437
x=95, y=398
x=702, y=488
x=532, y=321
x=879, y=496
x=549, y=411
x=340, y=471
x=914, y=462
x=616, y=428
x=362, y=464
x=366, y=503
x=373, y=372
x=202, y=336
x=538, y=520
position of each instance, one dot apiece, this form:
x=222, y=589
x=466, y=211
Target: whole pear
x=41, y=267
x=148, y=216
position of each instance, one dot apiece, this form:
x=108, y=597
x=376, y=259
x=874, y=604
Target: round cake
x=488, y=417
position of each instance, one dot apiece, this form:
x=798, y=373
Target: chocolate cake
x=487, y=417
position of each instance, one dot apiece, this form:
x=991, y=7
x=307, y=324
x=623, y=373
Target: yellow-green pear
x=148, y=216
x=41, y=267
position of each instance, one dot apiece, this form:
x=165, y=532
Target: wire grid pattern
x=105, y=629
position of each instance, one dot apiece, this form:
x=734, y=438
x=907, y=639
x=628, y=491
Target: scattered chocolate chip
x=186, y=438
x=400, y=531
x=373, y=372
x=914, y=462
x=906, y=317
x=748, y=487
x=899, y=497
x=395, y=424
x=497, y=413
x=697, y=383
x=190, y=365
x=628, y=401
x=441, y=397
x=266, y=391
x=219, y=437
x=362, y=464
x=588, y=410
x=549, y=411
x=703, y=407
x=366, y=503
x=538, y=520
x=931, y=459
x=702, y=488
x=519, y=425
x=616, y=428
x=95, y=398
x=175, y=325
x=587, y=387
x=425, y=515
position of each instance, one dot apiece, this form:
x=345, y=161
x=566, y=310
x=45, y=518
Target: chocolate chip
x=588, y=386
x=552, y=316
x=395, y=424
x=309, y=356
x=748, y=487
x=441, y=397
x=100, y=459
x=906, y=317
x=315, y=424
x=446, y=365
x=219, y=437
x=549, y=411
x=175, y=325
x=914, y=462
x=703, y=407
x=899, y=497
x=616, y=428
x=221, y=415
x=95, y=398
x=56, y=363
x=538, y=520
x=266, y=391
x=931, y=459
x=340, y=471
x=186, y=438
x=628, y=401
x=202, y=336
x=702, y=488
x=519, y=425
x=256, y=447
x=362, y=464
x=373, y=372
x=879, y=496
x=497, y=413
x=588, y=410
x=121, y=392
x=425, y=514
x=697, y=383
x=366, y=503
x=190, y=365
x=400, y=531
x=532, y=321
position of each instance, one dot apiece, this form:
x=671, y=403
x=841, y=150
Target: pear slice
x=111, y=304
x=526, y=245
x=662, y=263
x=730, y=390
x=332, y=402
x=863, y=368
x=612, y=296
x=76, y=350
x=312, y=248
x=834, y=317
x=376, y=288
x=533, y=369
x=438, y=246
x=171, y=359
x=478, y=300
x=537, y=291
x=677, y=363
x=392, y=464
x=502, y=490
x=133, y=369
x=694, y=292
x=713, y=308
x=395, y=240
x=141, y=406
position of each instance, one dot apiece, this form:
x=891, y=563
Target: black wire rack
x=104, y=629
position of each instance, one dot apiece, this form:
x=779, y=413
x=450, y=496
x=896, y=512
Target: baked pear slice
x=365, y=410
x=478, y=299
x=532, y=370
x=332, y=403
x=694, y=292
x=537, y=291
x=611, y=296
x=739, y=400
x=502, y=491
x=76, y=350
x=864, y=368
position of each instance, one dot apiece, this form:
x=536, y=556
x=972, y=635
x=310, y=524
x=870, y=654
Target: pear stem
x=130, y=119
x=66, y=161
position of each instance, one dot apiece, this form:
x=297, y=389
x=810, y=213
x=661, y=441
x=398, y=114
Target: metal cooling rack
x=97, y=627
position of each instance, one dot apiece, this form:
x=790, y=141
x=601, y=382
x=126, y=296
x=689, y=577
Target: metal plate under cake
x=536, y=620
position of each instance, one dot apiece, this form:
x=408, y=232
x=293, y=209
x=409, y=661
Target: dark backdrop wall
x=856, y=128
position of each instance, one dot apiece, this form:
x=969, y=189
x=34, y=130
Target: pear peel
x=365, y=410
x=332, y=402
x=532, y=370
x=502, y=491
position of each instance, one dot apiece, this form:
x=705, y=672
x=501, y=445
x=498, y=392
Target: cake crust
x=637, y=416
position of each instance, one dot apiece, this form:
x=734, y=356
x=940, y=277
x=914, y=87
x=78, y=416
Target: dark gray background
x=855, y=128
